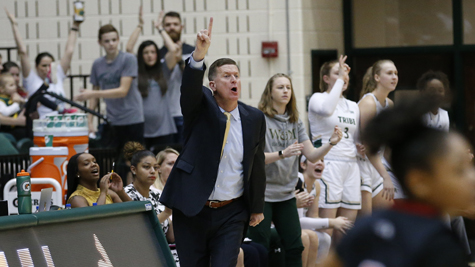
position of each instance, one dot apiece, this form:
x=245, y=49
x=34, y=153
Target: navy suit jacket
x=194, y=174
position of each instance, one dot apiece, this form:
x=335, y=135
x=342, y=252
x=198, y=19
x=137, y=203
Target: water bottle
x=94, y=204
x=67, y=207
x=24, y=192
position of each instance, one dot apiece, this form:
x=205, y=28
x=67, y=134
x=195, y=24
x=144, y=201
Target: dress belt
x=214, y=204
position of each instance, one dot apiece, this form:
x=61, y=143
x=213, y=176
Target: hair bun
x=130, y=148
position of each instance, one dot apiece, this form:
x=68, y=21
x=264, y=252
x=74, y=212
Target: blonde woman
x=286, y=139
x=380, y=80
x=165, y=159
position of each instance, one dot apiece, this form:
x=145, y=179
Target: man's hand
x=256, y=218
x=203, y=41
x=158, y=22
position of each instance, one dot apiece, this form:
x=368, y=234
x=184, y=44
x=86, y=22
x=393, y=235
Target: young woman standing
x=380, y=80
x=285, y=141
x=340, y=195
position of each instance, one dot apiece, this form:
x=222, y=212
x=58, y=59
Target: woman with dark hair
x=82, y=177
x=152, y=82
x=286, y=139
x=437, y=176
x=46, y=69
x=435, y=84
x=144, y=167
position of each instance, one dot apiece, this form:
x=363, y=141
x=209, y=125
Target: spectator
x=435, y=84
x=426, y=162
x=144, y=167
x=173, y=26
x=112, y=78
x=10, y=104
x=13, y=68
x=166, y=160
x=83, y=176
x=285, y=141
x=46, y=69
x=152, y=80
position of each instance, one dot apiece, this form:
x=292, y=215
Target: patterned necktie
x=226, y=132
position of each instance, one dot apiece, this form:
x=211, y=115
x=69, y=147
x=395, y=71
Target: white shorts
x=324, y=242
x=398, y=192
x=340, y=185
x=371, y=180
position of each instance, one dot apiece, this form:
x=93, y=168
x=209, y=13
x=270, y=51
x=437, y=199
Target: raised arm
x=325, y=104
x=70, y=44
x=173, y=48
x=135, y=34
x=25, y=61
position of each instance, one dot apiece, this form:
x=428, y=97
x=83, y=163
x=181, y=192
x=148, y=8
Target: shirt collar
x=416, y=208
x=234, y=113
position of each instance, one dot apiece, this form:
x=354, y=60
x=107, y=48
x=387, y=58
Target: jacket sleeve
x=191, y=91
x=258, y=172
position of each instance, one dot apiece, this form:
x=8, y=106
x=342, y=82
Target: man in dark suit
x=217, y=184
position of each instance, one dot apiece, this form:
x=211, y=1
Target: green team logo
x=317, y=143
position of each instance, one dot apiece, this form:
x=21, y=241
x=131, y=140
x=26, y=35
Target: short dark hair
x=218, y=63
x=433, y=75
x=40, y=56
x=106, y=29
x=172, y=14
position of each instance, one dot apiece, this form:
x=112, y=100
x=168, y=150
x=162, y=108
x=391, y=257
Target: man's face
x=172, y=25
x=226, y=84
x=110, y=42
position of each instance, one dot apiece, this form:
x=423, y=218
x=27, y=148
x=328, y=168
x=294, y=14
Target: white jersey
x=439, y=121
x=346, y=115
x=379, y=107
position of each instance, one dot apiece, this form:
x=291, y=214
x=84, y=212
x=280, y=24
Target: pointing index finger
x=210, y=27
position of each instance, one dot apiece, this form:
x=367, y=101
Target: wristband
x=281, y=154
x=74, y=29
x=326, y=223
x=140, y=26
x=160, y=30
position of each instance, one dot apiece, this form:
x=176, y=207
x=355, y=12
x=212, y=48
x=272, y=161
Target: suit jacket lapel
x=246, y=139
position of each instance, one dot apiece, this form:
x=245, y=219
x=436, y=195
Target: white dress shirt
x=229, y=183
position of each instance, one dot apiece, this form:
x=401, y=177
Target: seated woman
x=309, y=220
x=165, y=160
x=144, y=166
x=83, y=174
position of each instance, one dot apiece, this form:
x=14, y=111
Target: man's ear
x=212, y=86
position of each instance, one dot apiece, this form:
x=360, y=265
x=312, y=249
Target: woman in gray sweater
x=286, y=139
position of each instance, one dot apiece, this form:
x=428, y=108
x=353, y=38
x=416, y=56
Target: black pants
x=212, y=236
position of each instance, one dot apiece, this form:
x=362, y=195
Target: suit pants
x=213, y=236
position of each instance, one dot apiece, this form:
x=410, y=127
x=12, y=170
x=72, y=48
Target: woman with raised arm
x=153, y=77
x=83, y=176
x=379, y=80
x=340, y=183
x=437, y=176
x=286, y=139
x=46, y=69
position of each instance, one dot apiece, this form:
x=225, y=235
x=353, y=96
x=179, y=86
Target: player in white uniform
x=340, y=183
x=309, y=220
x=436, y=84
x=377, y=186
